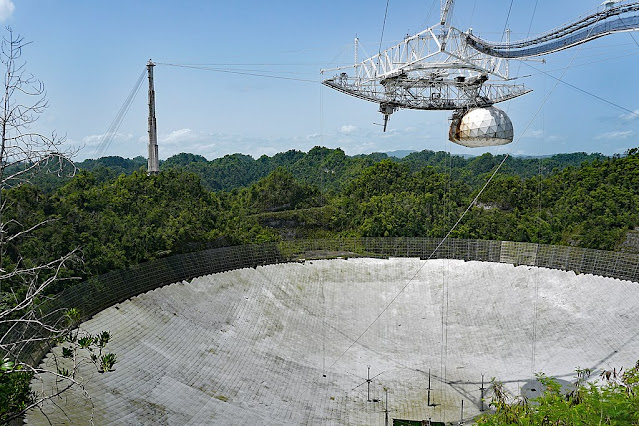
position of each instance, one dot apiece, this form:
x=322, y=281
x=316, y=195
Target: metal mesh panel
x=518, y=253
x=96, y=294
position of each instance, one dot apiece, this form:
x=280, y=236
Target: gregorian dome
x=479, y=127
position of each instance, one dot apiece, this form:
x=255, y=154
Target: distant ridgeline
x=120, y=217
x=324, y=167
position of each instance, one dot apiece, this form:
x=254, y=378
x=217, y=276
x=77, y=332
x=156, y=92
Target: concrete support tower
x=154, y=161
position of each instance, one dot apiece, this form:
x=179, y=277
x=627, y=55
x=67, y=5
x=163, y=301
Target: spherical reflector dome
x=479, y=127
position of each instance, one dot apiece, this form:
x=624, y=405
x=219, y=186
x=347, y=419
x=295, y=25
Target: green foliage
x=79, y=343
x=182, y=159
x=15, y=391
x=613, y=402
x=107, y=361
x=328, y=168
x=75, y=345
x=130, y=219
x=116, y=165
x=586, y=200
x=279, y=191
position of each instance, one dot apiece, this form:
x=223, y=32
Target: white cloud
x=347, y=129
x=6, y=9
x=184, y=137
x=619, y=134
x=534, y=134
x=631, y=115
x=95, y=140
x=94, y=146
x=176, y=136
x=390, y=133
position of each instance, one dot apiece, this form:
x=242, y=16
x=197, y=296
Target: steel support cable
x=104, y=144
x=254, y=64
x=344, y=47
x=459, y=220
x=532, y=19
x=560, y=80
x=631, y=36
x=443, y=354
x=236, y=72
x=570, y=36
x=507, y=19
x=583, y=64
x=561, y=31
x=472, y=13
x=381, y=37
x=536, y=275
x=535, y=304
x=539, y=193
x=429, y=14
x=247, y=70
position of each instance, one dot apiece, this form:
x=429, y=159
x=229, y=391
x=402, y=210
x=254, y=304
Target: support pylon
x=153, y=166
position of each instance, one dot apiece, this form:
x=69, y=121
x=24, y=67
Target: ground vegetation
x=612, y=400
x=28, y=274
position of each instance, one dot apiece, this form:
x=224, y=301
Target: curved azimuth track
x=444, y=68
x=613, y=19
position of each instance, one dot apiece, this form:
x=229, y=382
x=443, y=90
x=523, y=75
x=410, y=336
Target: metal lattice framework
x=611, y=20
x=444, y=68
x=429, y=71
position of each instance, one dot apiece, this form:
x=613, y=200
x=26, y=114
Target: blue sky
x=89, y=54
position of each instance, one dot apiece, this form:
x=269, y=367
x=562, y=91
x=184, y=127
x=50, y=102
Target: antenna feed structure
x=444, y=68
x=435, y=69
x=387, y=109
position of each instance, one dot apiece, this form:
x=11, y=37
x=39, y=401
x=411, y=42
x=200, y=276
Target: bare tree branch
x=28, y=322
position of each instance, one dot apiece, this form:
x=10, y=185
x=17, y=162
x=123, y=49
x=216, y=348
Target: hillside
x=323, y=167
x=576, y=199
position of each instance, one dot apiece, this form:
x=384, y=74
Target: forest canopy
x=118, y=216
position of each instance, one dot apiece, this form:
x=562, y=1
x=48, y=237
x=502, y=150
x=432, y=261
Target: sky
x=89, y=55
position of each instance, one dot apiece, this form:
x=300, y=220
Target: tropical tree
x=25, y=324
x=612, y=401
